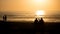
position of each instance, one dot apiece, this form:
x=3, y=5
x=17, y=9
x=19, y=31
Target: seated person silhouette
x=41, y=25
x=36, y=21
x=35, y=25
x=4, y=18
x=41, y=21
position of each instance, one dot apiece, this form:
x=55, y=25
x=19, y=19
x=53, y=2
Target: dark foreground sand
x=28, y=28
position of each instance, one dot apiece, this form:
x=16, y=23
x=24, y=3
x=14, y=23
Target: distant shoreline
x=25, y=21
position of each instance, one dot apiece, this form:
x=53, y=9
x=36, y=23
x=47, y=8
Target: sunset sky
x=29, y=7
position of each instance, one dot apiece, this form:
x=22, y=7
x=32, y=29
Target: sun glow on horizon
x=40, y=13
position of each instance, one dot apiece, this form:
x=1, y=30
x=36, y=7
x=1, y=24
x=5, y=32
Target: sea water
x=31, y=19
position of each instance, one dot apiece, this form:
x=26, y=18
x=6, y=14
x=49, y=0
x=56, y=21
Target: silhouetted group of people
x=4, y=18
x=39, y=25
x=41, y=21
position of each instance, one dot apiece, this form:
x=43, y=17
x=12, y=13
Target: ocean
x=47, y=19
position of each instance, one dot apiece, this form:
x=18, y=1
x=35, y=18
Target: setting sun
x=40, y=12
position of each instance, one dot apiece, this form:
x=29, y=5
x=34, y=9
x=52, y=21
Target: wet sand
x=28, y=28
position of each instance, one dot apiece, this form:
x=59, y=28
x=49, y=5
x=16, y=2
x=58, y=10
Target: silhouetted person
x=41, y=25
x=41, y=21
x=35, y=25
x=6, y=26
x=36, y=21
x=4, y=18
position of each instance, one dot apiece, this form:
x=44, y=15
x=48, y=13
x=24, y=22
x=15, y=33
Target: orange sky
x=30, y=6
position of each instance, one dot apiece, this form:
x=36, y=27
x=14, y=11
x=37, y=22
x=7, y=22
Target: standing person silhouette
x=4, y=18
x=6, y=26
